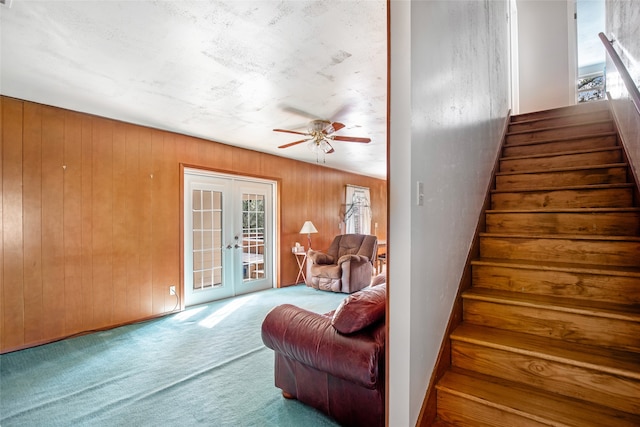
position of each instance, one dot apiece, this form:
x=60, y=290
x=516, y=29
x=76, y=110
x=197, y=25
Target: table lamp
x=308, y=228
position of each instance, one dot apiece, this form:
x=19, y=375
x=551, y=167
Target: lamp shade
x=308, y=228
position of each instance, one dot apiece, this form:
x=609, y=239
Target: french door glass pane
x=207, y=239
x=253, y=244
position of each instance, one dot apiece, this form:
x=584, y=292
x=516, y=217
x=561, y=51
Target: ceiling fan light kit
x=320, y=146
x=319, y=133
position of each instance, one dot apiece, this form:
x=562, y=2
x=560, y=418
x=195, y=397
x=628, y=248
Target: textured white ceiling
x=227, y=71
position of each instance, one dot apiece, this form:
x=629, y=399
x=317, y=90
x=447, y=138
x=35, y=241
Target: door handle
x=238, y=246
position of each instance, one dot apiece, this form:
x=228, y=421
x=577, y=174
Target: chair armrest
x=357, y=259
x=310, y=339
x=320, y=257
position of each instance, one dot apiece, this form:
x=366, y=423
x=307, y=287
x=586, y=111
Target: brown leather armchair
x=333, y=362
x=347, y=266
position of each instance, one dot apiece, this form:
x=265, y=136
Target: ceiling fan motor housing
x=318, y=126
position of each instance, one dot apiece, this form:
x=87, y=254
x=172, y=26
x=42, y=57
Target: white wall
x=449, y=99
x=545, y=66
x=622, y=21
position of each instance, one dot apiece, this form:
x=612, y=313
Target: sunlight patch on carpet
x=219, y=315
x=189, y=313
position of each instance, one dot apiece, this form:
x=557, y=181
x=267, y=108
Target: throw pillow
x=378, y=280
x=360, y=309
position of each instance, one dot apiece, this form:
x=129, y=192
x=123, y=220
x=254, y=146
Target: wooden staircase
x=551, y=324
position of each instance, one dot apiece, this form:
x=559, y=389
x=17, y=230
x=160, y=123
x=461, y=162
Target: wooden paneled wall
x=90, y=214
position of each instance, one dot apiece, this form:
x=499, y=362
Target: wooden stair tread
x=560, y=266
x=550, y=128
x=609, y=221
x=565, y=169
x=590, y=249
x=546, y=408
x=567, y=210
x=568, y=187
x=560, y=139
x=562, y=237
x=612, y=361
x=561, y=153
x=582, y=117
x=564, y=304
x=570, y=110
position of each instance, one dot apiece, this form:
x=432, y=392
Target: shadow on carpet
x=204, y=366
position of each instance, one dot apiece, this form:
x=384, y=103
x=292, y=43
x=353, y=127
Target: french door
x=228, y=236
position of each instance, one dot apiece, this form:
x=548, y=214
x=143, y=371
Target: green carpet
x=204, y=366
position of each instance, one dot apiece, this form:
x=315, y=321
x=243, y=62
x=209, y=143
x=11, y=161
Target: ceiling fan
x=320, y=132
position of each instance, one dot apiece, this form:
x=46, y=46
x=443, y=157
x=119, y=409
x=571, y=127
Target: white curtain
x=358, y=210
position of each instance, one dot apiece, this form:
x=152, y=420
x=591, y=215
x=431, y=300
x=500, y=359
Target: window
x=357, y=215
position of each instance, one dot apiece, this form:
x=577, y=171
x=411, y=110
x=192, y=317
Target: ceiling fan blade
x=336, y=126
x=297, y=111
x=291, y=144
x=350, y=139
x=343, y=112
x=290, y=131
x=330, y=151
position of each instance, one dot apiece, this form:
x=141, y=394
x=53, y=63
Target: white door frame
x=233, y=272
x=514, y=87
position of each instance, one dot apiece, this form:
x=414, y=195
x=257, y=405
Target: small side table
x=301, y=258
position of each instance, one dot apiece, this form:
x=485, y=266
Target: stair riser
x=562, y=161
x=564, y=199
x=460, y=411
x=593, y=287
x=620, y=253
x=594, y=116
x=587, y=143
x=605, y=224
x=595, y=176
x=573, y=381
x=565, y=132
x=573, y=327
x=562, y=111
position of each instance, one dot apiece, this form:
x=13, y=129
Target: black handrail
x=634, y=93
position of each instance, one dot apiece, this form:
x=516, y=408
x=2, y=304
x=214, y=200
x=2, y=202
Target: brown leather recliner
x=347, y=266
x=333, y=362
